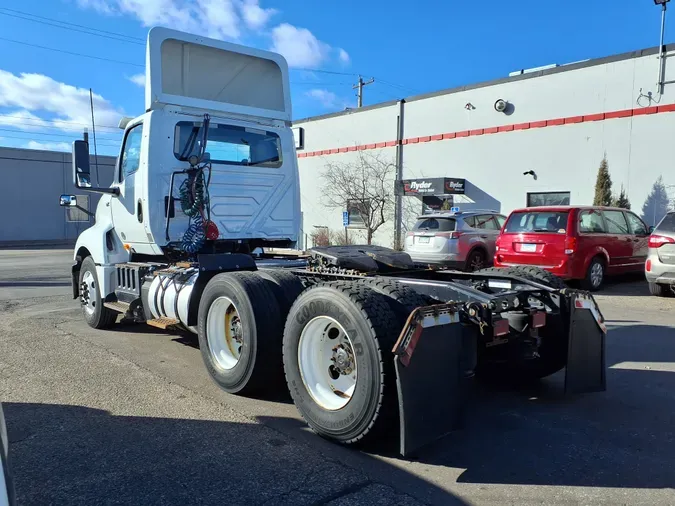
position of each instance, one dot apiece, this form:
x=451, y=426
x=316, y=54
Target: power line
x=71, y=52
x=394, y=85
x=320, y=71
x=111, y=144
x=73, y=27
x=74, y=134
x=65, y=25
x=69, y=122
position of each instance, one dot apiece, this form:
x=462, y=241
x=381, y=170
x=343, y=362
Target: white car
x=6, y=488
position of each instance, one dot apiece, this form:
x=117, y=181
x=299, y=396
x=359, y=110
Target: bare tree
x=364, y=187
x=339, y=238
x=320, y=237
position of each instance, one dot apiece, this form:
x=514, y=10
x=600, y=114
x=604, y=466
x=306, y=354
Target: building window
x=356, y=209
x=73, y=214
x=548, y=199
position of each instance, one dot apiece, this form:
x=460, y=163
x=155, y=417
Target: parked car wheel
x=595, y=275
x=660, y=290
x=475, y=260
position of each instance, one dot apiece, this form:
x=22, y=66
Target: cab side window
x=637, y=225
x=131, y=154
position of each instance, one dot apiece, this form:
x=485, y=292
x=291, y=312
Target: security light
x=661, y=2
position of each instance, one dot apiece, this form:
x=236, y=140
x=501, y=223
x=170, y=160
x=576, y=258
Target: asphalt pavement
x=130, y=416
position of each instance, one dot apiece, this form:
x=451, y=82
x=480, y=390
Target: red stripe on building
x=626, y=113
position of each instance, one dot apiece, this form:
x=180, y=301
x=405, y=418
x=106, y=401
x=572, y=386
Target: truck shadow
x=63, y=454
x=538, y=436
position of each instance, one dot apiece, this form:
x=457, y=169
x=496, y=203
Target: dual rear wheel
x=335, y=346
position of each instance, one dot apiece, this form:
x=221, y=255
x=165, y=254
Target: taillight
x=570, y=245
x=656, y=241
x=449, y=235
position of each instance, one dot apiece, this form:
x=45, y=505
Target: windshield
x=229, y=144
x=537, y=222
x=435, y=224
x=667, y=224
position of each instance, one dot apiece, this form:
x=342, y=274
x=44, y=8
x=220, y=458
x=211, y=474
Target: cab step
x=121, y=307
x=163, y=323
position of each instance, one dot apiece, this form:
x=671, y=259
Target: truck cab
x=241, y=95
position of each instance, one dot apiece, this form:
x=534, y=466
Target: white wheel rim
x=224, y=333
x=327, y=363
x=88, y=292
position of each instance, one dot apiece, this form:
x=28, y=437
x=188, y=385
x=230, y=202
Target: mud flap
x=586, y=365
x=434, y=360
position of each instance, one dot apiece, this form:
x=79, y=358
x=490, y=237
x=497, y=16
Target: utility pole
x=359, y=86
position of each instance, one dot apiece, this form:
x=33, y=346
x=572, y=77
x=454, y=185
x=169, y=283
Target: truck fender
x=102, y=244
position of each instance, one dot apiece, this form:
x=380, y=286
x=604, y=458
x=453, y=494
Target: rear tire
x=95, y=313
x=286, y=286
x=595, y=275
x=660, y=290
x=530, y=273
x=475, y=261
x=324, y=315
x=241, y=347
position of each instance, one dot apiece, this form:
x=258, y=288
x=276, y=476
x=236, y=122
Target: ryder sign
x=430, y=186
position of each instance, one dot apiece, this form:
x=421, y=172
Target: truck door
x=128, y=208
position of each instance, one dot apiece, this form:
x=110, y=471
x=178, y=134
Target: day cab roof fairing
x=191, y=71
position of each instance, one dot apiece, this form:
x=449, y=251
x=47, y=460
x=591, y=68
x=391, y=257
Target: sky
x=54, y=51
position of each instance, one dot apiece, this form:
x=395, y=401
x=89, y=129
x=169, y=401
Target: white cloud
x=326, y=98
x=98, y=5
x=49, y=146
x=23, y=120
x=255, y=16
x=343, y=56
x=33, y=93
x=138, y=79
x=227, y=20
x=299, y=46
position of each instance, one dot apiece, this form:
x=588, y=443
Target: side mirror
x=81, y=170
x=651, y=229
x=68, y=201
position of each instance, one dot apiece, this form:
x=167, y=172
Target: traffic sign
x=345, y=219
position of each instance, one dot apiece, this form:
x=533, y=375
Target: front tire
x=95, y=313
x=338, y=361
x=239, y=331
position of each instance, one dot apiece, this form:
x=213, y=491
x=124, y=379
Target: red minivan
x=574, y=242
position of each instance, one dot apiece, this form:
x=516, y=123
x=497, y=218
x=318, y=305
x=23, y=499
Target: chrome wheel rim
x=224, y=333
x=596, y=274
x=88, y=292
x=327, y=363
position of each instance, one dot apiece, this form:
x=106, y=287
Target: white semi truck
x=363, y=338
